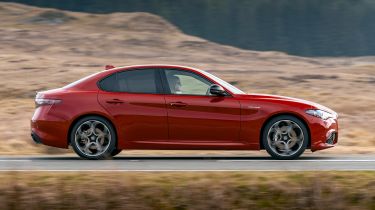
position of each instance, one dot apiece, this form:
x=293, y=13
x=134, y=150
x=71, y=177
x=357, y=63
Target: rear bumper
x=49, y=127
x=51, y=133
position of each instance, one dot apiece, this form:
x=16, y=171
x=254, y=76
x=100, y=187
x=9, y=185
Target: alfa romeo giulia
x=175, y=107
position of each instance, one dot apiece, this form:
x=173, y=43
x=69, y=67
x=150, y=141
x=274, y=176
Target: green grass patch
x=188, y=190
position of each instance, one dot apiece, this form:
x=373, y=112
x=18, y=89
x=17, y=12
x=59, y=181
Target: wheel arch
x=76, y=119
x=303, y=120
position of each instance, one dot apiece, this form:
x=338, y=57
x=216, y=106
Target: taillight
x=44, y=101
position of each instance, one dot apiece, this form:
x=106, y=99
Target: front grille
x=331, y=138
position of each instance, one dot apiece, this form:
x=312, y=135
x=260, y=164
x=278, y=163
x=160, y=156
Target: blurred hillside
x=46, y=48
x=298, y=27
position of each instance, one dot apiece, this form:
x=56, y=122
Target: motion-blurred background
x=297, y=27
x=317, y=50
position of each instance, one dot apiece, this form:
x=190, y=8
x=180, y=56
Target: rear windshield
x=80, y=80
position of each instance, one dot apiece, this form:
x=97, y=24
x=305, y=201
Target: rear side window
x=132, y=81
x=109, y=83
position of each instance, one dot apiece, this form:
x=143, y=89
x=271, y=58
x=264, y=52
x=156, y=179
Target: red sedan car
x=175, y=107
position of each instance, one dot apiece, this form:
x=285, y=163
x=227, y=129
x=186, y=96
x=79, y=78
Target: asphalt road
x=186, y=163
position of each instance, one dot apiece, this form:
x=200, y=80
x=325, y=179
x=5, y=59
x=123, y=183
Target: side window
x=137, y=81
x=131, y=81
x=109, y=83
x=188, y=83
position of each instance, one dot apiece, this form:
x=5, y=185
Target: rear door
x=134, y=98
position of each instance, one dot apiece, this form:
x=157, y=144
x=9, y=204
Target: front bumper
x=36, y=138
x=324, y=133
x=332, y=138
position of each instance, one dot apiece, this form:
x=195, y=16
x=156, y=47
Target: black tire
x=115, y=152
x=110, y=147
x=299, y=151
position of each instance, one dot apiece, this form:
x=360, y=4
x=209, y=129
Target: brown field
x=229, y=190
x=44, y=48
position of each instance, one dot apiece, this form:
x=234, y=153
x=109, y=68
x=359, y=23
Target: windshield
x=225, y=84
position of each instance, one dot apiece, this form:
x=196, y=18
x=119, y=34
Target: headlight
x=319, y=113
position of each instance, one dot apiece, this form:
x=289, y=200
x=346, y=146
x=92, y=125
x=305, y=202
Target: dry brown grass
x=231, y=190
x=44, y=49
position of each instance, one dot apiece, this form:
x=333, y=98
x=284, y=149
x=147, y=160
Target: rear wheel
x=94, y=138
x=285, y=137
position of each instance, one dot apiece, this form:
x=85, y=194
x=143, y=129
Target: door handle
x=178, y=104
x=115, y=101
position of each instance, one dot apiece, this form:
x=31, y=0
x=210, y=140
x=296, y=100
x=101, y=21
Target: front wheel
x=115, y=152
x=93, y=138
x=285, y=137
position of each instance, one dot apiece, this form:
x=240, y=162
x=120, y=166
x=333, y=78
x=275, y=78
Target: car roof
x=120, y=68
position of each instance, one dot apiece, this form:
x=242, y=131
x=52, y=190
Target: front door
x=195, y=116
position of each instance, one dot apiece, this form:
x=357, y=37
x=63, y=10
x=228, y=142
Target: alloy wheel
x=92, y=138
x=285, y=138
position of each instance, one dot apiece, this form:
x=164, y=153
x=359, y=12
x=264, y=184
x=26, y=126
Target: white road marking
x=23, y=160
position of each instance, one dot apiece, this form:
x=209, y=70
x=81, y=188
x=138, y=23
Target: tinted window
x=188, y=83
x=109, y=83
x=80, y=80
x=137, y=81
x=132, y=81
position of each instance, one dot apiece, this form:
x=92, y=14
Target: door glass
x=187, y=83
x=137, y=81
x=109, y=83
x=131, y=81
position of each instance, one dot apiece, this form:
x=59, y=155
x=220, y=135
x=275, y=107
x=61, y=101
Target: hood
x=313, y=105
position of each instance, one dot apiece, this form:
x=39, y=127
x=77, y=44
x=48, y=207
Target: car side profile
x=176, y=107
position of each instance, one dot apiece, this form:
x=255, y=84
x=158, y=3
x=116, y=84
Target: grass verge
x=188, y=190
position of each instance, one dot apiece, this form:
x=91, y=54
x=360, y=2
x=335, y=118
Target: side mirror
x=217, y=90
